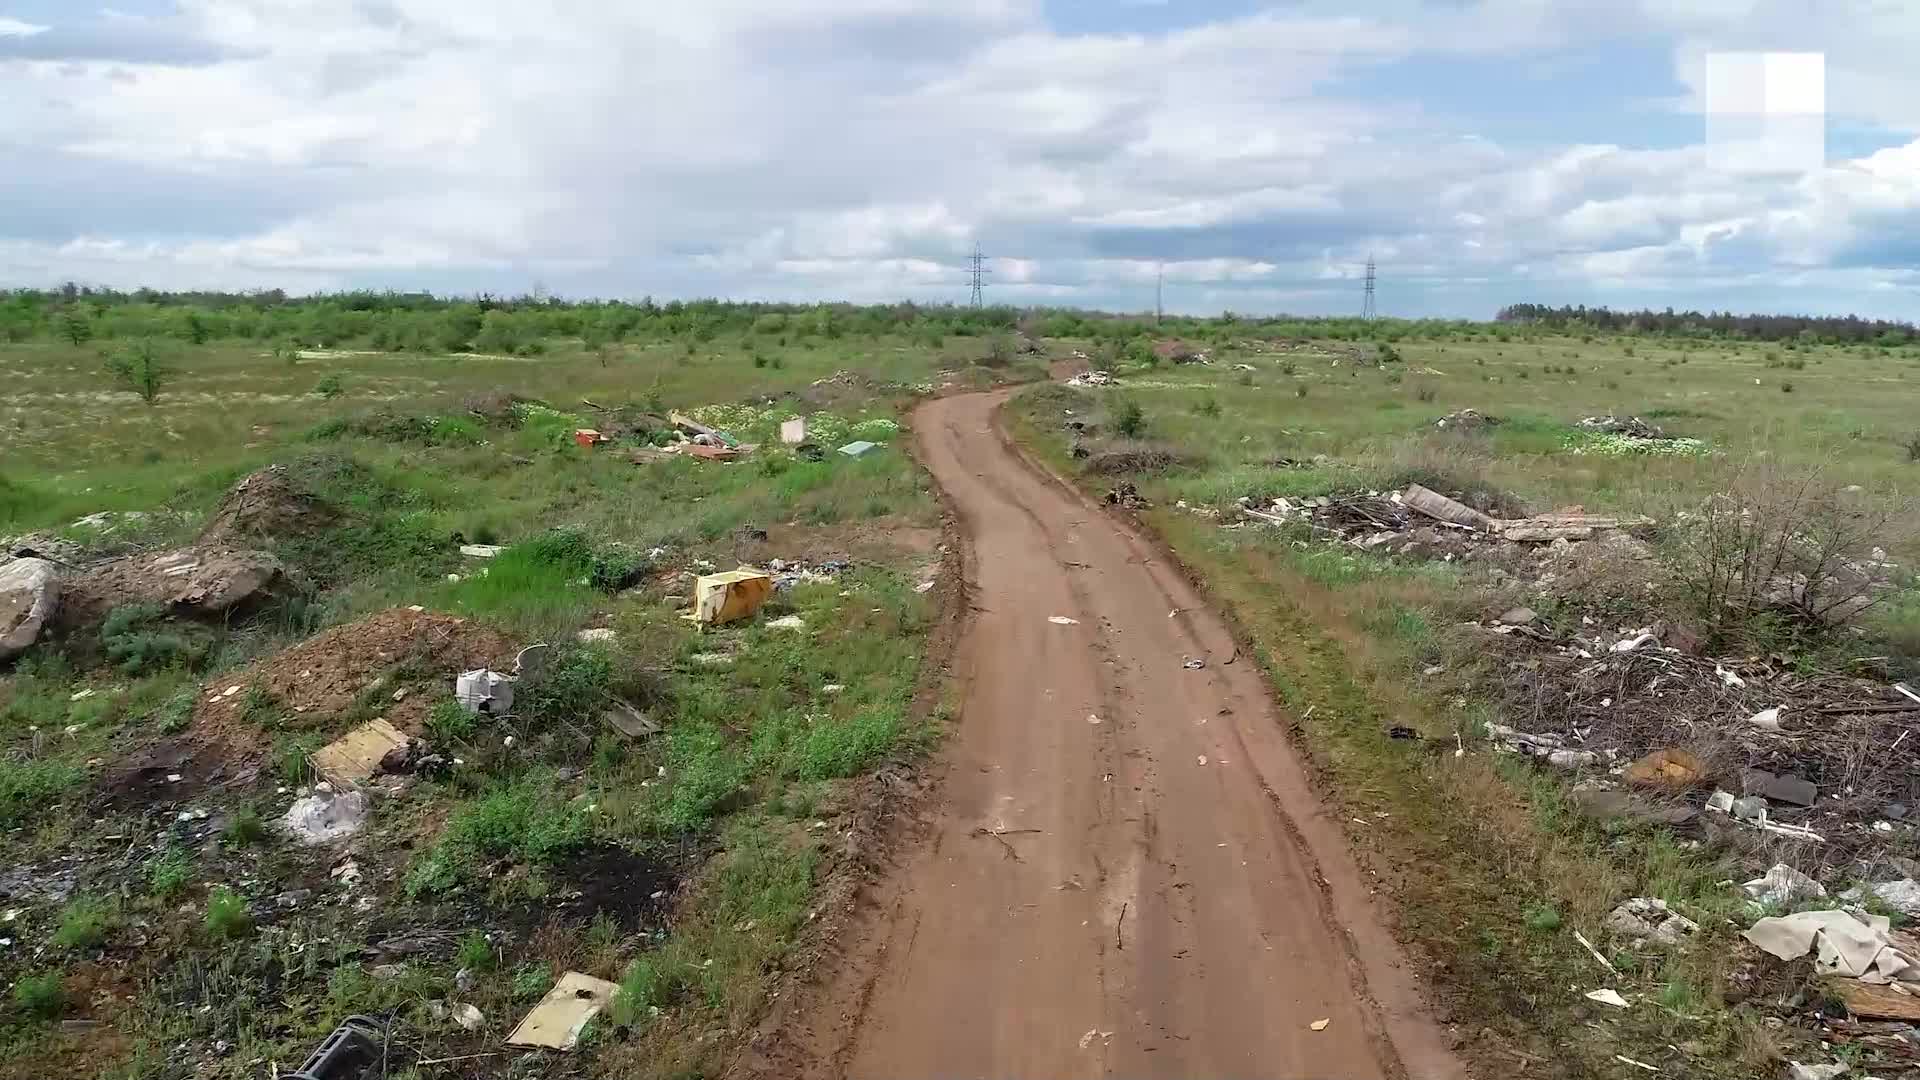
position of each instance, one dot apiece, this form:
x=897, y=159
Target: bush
x=1913, y=448
x=137, y=641
x=40, y=996
x=1128, y=418
x=1778, y=539
x=167, y=874
x=84, y=923
x=476, y=952
x=449, y=722
x=330, y=387
x=141, y=368
x=1208, y=407
x=227, y=916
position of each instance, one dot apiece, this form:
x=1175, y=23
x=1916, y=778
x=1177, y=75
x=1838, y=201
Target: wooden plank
x=1875, y=1002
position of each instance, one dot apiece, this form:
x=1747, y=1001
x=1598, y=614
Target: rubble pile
x=1418, y=521
x=1095, y=377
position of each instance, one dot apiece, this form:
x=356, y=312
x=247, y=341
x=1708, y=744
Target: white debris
x=1783, y=885
x=483, y=691
x=1850, y=943
x=1766, y=719
x=1728, y=677
x=788, y=622
x=1902, y=895
x=1647, y=918
x=1634, y=643
x=1797, y=1071
x=1607, y=997
x=326, y=816
x=1062, y=620
x=467, y=1016
x=596, y=634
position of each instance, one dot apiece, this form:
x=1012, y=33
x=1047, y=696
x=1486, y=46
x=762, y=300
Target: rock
x=1750, y=808
x=326, y=816
x=1791, y=790
x=29, y=593
x=1902, y=895
x=1646, y=918
x=1519, y=616
x=198, y=581
x=1797, y=1071
x=293, y=898
x=388, y=972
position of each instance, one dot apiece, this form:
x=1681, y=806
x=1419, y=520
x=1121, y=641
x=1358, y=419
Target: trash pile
x=1092, y=378
x=1621, y=436
x=1126, y=496
x=1467, y=420
x=1419, y=521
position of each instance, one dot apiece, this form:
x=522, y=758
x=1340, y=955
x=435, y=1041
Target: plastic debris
x=629, y=721
x=1647, y=918
x=326, y=815
x=788, y=622
x=1902, y=895
x=1730, y=678
x=1634, y=644
x=1766, y=719
x=1321, y=1025
x=482, y=691
x=1608, y=997
x=481, y=551
x=469, y=1017
x=1062, y=620
x=1745, y=812
x=1783, y=885
x=557, y=1021
x=859, y=449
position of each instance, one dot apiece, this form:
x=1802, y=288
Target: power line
x=1366, y=309
x=1159, y=291
x=977, y=274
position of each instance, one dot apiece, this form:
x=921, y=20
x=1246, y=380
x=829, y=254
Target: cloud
x=858, y=148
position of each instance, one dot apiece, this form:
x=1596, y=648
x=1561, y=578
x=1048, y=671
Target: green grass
x=40, y=996
x=84, y=924
x=227, y=917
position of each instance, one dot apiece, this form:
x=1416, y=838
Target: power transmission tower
x=978, y=275
x=1159, y=291
x=1366, y=310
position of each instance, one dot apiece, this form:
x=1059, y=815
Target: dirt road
x=1127, y=874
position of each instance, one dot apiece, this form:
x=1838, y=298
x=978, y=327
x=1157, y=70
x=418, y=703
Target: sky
x=1252, y=155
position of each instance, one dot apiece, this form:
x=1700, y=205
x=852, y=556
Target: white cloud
x=860, y=147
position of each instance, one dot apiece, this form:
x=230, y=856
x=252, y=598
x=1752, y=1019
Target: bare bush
x=1121, y=457
x=1784, y=540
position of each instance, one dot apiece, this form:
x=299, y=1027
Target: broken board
x=557, y=1021
x=724, y=598
x=1872, y=1002
x=353, y=757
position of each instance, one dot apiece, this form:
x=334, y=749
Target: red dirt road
x=1126, y=873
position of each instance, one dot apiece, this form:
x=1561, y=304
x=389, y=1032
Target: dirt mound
x=266, y=504
x=324, y=676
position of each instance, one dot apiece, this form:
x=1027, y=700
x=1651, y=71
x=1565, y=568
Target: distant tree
x=75, y=326
x=194, y=328
x=141, y=368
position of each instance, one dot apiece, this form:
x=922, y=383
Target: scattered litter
x=1787, y=788
x=1902, y=895
x=1091, y=378
x=1607, y=997
x=355, y=756
x=482, y=691
x=1093, y=718
x=1639, y=641
x=1906, y=691
x=1747, y=812
x=588, y=438
x=924, y=587
x=353, y=1048
x=557, y=1021
x=1783, y=885
x=1766, y=719
x=326, y=816
x=1321, y=1025
x=1548, y=747
x=469, y=1017
x=728, y=597
x=1647, y=918
x=1193, y=663
x=596, y=634
x=1092, y=1034
x=1062, y=620
x=1625, y=1060
x=1850, y=943
x=859, y=449
x=1203, y=759
x=788, y=622
x=481, y=551
x=1732, y=679
x=793, y=432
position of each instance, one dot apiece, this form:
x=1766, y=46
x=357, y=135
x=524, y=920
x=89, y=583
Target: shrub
x=246, y=827
x=137, y=641
x=141, y=368
x=40, y=996
x=476, y=952
x=1786, y=387
x=167, y=874
x=1913, y=447
x=449, y=722
x=29, y=786
x=84, y=923
x=330, y=387
x=1778, y=539
x=227, y=916
x=1128, y=418
x=1208, y=407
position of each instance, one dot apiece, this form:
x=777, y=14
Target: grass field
x=682, y=866
x=190, y=921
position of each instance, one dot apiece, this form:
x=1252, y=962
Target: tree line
x=1829, y=329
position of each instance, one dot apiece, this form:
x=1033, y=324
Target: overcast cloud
x=1484, y=152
